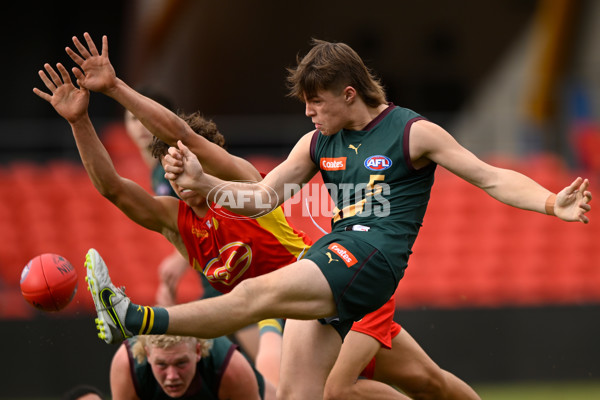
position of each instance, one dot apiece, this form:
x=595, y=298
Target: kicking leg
x=299, y=291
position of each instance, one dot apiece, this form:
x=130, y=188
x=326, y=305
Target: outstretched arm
x=68, y=101
x=429, y=141
x=250, y=199
x=72, y=104
x=96, y=73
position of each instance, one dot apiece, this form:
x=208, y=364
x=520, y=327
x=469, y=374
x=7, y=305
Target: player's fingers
x=174, y=153
x=172, y=176
x=64, y=74
x=172, y=161
x=79, y=75
x=105, y=46
x=74, y=56
x=46, y=81
x=53, y=75
x=572, y=188
x=184, y=149
x=168, y=160
x=43, y=95
x=90, y=44
x=174, y=169
x=586, y=198
x=81, y=48
x=584, y=185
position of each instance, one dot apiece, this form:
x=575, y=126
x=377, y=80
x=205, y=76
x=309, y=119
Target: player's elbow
x=113, y=192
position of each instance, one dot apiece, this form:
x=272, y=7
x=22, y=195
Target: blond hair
x=166, y=341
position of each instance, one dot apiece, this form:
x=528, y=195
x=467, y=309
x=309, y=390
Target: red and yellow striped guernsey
x=228, y=248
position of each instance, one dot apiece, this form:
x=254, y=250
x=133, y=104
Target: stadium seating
x=472, y=251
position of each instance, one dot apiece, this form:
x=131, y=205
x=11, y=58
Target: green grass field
x=540, y=391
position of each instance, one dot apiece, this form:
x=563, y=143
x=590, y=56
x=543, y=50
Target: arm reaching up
x=68, y=101
x=97, y=74
x=71, y=103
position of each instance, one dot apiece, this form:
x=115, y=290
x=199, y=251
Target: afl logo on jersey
x=378, y=163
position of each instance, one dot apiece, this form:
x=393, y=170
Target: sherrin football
x=49, y=282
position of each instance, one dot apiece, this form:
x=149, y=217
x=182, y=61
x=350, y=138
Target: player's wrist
x=80, y=120
x=115, y=88
x=549, y=206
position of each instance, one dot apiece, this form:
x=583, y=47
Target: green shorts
x=359, y=275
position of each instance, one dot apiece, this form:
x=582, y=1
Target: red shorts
x=380, y=325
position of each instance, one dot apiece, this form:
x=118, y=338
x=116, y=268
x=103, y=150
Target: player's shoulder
x=121, y=359
x=309, y=136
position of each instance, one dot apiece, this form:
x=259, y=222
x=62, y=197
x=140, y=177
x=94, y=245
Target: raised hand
x=182, y=167
x=69, y=102
x=572, y=202
x=97, y=73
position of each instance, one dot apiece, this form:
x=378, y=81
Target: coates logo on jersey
x=347, y=257
x=333, y=164
x=378, y=163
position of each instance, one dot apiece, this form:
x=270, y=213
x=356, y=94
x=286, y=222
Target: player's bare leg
x=298, y=291
x=268, y=358
x=248, y=338
x=309, y=352
x=342, y=383
x=408, y=366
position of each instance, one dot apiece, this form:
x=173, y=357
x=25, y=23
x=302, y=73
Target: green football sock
x=143, y=320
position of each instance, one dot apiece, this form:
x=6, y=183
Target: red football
x=49, y=282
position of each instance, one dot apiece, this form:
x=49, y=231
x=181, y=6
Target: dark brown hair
x=202, y=126
x=333, y=66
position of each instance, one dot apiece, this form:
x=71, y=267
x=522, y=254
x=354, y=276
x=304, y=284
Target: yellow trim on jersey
x=276, y=223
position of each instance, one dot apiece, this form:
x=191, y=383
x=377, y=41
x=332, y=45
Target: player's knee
x=251, y=295
x=428, y=387
x=245, y=290
x=336, y=392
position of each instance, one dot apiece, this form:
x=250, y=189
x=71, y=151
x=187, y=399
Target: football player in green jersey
x=381, y=201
